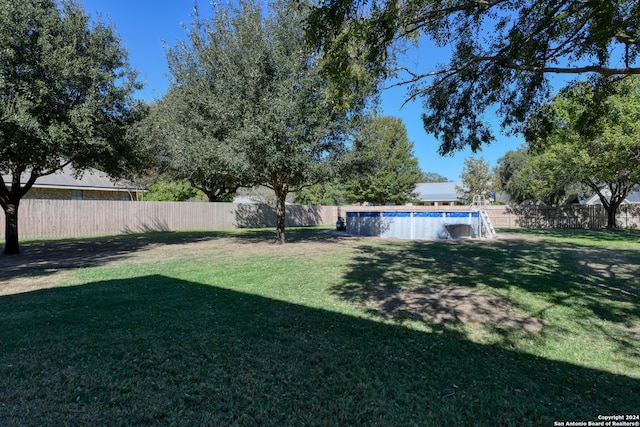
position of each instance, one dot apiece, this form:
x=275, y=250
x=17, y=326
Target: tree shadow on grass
x=41, y=258
x=44, y=257
x=588, y=235
x=159, y=351
x=449, y=285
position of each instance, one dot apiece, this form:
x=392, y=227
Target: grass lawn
x=226, y=328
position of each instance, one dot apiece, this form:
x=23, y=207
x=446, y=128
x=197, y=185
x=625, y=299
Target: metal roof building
x=438, y=193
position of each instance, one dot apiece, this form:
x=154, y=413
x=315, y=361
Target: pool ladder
x=486, y=223
x=479, y=202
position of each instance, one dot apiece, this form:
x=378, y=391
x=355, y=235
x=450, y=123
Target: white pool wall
x=413, y=225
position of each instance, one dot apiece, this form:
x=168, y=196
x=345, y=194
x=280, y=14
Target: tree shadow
x=588, y=235
x=263, y=215
x=41, y=258
x=155, y=226
x=448, y=285
x=156, y=350
x=44, y=257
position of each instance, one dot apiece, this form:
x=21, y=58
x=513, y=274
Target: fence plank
x=574, y=216
x=42, y=218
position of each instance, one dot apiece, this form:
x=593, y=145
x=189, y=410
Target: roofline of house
x=79, y=187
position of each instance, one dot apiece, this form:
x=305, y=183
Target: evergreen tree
x=251, y=105
x=391, y=170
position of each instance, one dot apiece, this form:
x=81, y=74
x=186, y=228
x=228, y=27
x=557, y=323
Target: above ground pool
x=417, y=225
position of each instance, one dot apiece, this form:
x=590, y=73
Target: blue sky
x=143, y=25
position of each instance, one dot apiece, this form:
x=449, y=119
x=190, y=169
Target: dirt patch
x=610, y=268
x=451, y=306
x=47, y=264
x=18, y=285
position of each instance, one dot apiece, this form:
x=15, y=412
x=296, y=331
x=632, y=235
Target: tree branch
x=505, y=63
x=426, y=18
x=627, y=40
x=56, y=169
x=598, y=69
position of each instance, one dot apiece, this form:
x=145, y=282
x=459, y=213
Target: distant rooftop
x=437, y=191
x=633, y=197
x=91, y=179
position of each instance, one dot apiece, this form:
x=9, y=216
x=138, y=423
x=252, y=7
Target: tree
x=433, y=177
x=329, y=193
x=477, y=180
x=390, y=168
x=65, y=99
x=172, y=191
x=512, y=177
x=261, y=104
x=297, y=132
x=524, y=176
x=503, y=51
x=200, y=122
x=194, y=131
x=600, y=151
x=544, y=182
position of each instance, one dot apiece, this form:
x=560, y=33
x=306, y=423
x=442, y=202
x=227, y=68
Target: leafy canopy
x=65, y=98
x=477, y=180
x=525, y=177
x=390, y=170
x=249, y=105
x=201, y=124
x=509, y=176
x=297, y=134
x=163, y=190
x=502, y=53
x=65, y=89
x=600, y=151
x=433, y=177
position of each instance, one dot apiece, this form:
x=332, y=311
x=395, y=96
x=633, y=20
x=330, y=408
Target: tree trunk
x=611, y=216
x=281, y=196
x=11, y=246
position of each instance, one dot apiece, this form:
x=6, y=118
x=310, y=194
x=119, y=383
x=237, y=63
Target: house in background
x=633, y=197
x=91, y=185
x=437, y=194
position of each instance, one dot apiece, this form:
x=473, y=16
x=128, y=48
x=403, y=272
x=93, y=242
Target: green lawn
x=226, y=328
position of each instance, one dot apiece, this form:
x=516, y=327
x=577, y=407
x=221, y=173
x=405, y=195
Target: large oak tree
x=65, y=98
x=199, y=125
x=526, y=177
x=503, y=52
x=195, y=131
x=600, y=151
x=253, y=102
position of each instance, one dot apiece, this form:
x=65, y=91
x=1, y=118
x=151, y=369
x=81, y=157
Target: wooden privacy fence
x=574, y=216
x=39, y=218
